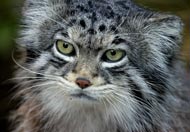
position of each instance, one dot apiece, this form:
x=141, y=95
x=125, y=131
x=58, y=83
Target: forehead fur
x=97, y=22
x=82, y=19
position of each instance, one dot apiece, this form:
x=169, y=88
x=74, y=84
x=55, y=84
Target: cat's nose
x=83, y=83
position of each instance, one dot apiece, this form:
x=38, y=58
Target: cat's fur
x=137, y=94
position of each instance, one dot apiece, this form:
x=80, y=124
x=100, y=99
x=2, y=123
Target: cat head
x=99, y=52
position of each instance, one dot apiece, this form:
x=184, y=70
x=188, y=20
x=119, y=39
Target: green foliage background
x=8, y=23
x=10, y=11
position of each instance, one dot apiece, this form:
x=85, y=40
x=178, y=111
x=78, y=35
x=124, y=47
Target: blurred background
x=10, y=11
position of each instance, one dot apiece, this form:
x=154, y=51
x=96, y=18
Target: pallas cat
x=97, y=66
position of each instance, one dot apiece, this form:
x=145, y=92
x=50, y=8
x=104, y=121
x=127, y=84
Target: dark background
x=9, y=21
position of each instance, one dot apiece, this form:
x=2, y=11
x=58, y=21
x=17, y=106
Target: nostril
x=86, y=85
x=83, y=82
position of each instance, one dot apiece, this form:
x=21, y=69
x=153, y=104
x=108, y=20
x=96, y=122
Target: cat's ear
x=166, y=27
x=165, y=32
x=164, y=35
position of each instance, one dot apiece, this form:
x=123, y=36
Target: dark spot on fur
x=109, y=14
x=91, y=31
x=109, y=8
x=102, y=28
x=65, y=34
x=67, y=12
x=90, y=4
x=82, y=23
x=118, y=18
x=112, y=14
x=80, y=7
x=116, y=37
x=94, y=14
x=94, y=74
x=72, y=12
x=118, y=41
x=94, y=18
x=112, y=28
x=86, y=10
x=73, y=21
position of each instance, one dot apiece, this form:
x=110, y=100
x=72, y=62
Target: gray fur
x=135, y=94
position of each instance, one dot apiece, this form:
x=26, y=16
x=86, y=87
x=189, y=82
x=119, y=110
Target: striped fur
x=131, y=95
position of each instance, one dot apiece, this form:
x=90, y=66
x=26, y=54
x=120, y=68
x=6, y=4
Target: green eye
x=65, y=48
x=113, y=55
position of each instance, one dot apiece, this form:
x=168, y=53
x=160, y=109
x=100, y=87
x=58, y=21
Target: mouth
x=82, y=95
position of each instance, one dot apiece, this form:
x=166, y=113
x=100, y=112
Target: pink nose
x=83, y=83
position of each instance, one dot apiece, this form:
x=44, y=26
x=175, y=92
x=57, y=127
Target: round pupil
x=113, y=52
x=65, y=45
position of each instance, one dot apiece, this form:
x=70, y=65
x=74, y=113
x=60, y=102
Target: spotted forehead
x=93, y=22
x=101, y=15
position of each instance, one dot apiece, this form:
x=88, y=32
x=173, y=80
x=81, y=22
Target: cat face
x=99, y=53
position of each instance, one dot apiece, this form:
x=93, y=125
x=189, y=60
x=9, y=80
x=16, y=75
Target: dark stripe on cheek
x=105, y=74
x=157, y=80
x=157, y=84
x=136, y=91
x=40, y=72
x=49, y=47
x=31, y=55
x=57, y=62
x=118, y=69
x=145, y=104
x=118, y=41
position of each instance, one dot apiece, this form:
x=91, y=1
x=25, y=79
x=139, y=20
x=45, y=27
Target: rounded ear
x=168, y=27
x=166, y=31
x=163, y=33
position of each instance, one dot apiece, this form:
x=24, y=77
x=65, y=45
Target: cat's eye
x=113, y=55
x=65, y=48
